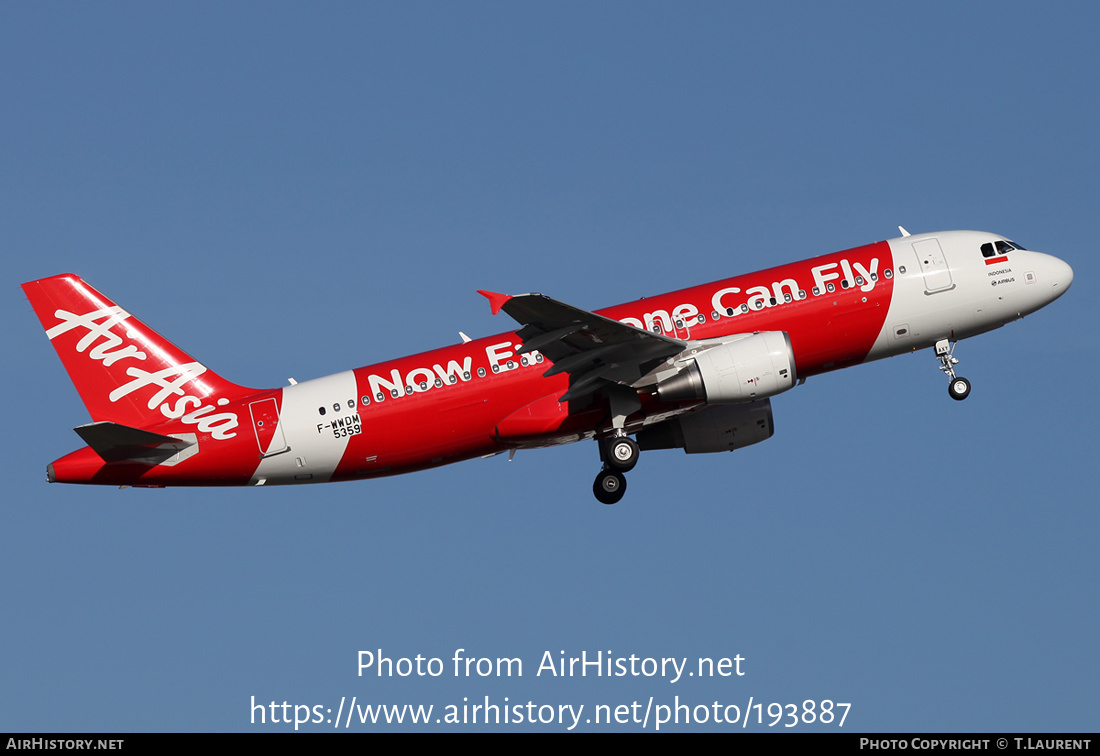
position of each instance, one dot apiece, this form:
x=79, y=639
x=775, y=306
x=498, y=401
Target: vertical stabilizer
x=125, y=372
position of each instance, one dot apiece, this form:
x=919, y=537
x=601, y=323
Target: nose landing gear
x=958, y=388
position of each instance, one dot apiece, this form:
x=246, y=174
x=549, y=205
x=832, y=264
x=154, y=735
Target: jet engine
x=755, y=366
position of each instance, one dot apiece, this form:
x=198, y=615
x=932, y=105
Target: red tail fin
x=125, y=372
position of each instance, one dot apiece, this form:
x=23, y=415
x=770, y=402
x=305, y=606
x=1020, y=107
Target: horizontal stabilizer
x=115, y=443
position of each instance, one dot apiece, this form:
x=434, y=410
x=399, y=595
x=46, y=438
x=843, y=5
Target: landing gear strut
x=619, y=454
x=958, y=388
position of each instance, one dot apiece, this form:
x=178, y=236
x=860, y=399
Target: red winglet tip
x=496, y=301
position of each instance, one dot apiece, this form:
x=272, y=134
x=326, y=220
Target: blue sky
x=287, y=190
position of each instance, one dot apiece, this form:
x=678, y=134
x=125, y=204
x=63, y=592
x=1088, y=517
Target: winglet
x=496, y=301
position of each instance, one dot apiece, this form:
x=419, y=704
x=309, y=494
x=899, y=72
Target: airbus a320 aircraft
x=694, y=369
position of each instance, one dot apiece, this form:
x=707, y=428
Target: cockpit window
x=998, y=248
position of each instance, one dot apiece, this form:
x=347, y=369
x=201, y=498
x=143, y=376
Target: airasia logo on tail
x=170, y=398
x=97, y=330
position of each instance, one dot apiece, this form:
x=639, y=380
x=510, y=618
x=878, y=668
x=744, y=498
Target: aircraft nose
x=1065, y=277
x=1045, y=278
x=1055, y=273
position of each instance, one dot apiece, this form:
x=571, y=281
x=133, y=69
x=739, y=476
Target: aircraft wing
x=592, y=349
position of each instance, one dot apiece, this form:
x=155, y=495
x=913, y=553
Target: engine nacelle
x=753, y=367
x=712, y=429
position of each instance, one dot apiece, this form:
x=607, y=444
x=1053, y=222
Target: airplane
x=693, y=369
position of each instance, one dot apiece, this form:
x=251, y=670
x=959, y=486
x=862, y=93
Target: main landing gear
x=958, y=388
x=619, y=455
x=618, y=451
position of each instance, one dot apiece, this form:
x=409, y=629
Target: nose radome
x=1065, y=276
x=1056, y=273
